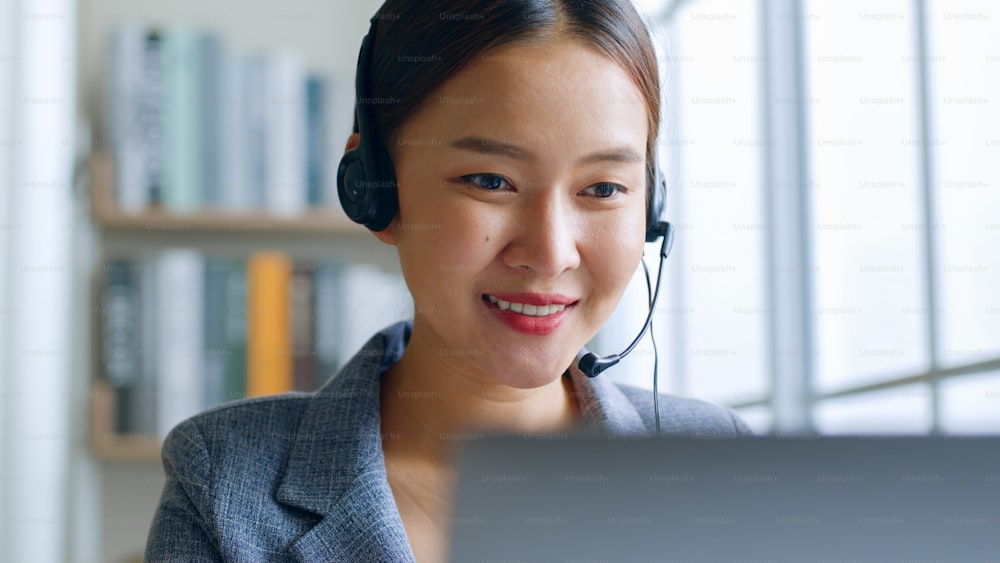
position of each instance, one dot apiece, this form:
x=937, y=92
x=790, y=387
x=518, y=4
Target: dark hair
x=419, y=45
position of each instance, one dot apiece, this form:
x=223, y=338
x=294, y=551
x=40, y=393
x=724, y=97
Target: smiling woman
x=524, y=169
x=506, y=149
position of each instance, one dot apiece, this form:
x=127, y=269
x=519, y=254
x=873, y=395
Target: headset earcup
x=383, y=193
x=352, y=187
x=657, y=203
x=367, y=196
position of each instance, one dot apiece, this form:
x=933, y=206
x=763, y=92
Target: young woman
x=519, y=138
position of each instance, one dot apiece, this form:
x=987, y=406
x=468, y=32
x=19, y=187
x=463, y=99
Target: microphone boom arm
x=591, y=364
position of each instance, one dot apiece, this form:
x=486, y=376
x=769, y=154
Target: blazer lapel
x=363, y=525
x=336, y=468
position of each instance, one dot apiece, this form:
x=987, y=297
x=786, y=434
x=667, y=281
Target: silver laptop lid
x=589, y=498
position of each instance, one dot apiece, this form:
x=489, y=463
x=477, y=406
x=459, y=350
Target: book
x=236, y=189
x=327, y=318
x=256, y=130
x=214, y=371
x=183, y=109
x=316, y=140
x=236, y=330
x=210, y=54
x=269, y=361
x=120, y=333
x=180, y=340
x=140, y=398
x=285, y=111
x=124, y=111
x=152, y=117
x=302, y=304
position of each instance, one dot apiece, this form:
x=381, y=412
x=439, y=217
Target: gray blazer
x=301, y=477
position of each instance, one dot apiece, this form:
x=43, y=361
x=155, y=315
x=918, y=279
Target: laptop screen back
x=749, y=499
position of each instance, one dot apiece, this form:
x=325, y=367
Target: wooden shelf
x=108, y=215
x=108, y=444
x=203, y=229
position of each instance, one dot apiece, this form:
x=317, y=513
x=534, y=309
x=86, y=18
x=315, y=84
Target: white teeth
x=529, y=310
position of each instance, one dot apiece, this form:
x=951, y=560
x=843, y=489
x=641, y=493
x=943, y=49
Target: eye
x=605, y=190
x=490, y=182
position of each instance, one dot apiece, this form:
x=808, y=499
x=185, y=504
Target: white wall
x=6, y=176
x=36, y=169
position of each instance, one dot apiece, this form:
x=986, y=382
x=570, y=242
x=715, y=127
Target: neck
x=429, y=406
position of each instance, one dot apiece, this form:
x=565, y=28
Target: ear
x=353, y=142
x=388, y=235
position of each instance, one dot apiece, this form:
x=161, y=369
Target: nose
x=545, y=237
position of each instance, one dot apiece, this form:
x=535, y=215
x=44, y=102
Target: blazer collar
x=604, y=406
x=336, y=467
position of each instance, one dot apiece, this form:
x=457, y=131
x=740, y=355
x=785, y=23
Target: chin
x=525, y=371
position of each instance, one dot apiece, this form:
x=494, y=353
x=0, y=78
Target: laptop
x=592, y=498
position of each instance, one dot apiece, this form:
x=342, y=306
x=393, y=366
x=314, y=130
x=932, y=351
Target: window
x=862, y=110
x=896, y=110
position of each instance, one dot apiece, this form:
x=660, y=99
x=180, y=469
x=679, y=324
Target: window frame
x=792, y=398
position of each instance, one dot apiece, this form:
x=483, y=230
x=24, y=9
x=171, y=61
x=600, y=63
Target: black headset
x=366, y=183
x=366, y=178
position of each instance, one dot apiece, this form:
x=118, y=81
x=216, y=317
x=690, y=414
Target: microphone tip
x=588, y=365
x=592, y=365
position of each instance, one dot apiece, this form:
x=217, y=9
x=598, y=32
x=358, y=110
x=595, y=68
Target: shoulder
x=263, y=427
x=683, y=416
x=234, y=447
x=221, y=466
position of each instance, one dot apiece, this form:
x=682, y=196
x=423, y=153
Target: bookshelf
x=109, y=216
x=106, y=443
x=118, y=477
x=317, y=233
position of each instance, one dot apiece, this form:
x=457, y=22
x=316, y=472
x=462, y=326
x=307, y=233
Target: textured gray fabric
x=301, y=477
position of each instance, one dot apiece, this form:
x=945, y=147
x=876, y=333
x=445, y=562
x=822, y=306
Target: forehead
x=542, y=92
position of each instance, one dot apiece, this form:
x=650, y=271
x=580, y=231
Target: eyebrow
x=484, y=145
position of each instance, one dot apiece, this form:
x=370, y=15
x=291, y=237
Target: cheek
x=615, y=256
x=614, y=268
x=440, y=248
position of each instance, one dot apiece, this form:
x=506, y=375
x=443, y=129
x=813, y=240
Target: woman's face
x=521, y=208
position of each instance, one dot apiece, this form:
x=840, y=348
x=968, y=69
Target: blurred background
x=165, y=171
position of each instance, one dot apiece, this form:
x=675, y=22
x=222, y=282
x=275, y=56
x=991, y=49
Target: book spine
x=124, y=113
x=210, y=51
x=214, y=320
x=256, y=130
x=120, y=334
x=235, y=180
x=182, y=108
x=286, y=135
x=316, y=140
x=302, y=304
x=152, y=118
x=327, y=315
x=142, y=403
x=236, y=331
x=181, y=342
x=269, y=363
